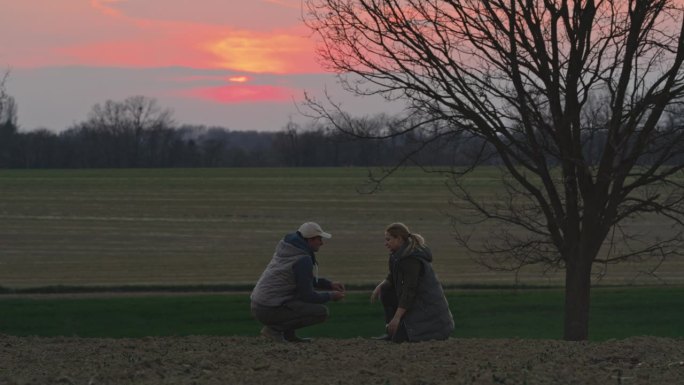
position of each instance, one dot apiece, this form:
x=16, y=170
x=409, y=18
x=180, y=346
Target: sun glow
x=275, y=53
x=238, y=79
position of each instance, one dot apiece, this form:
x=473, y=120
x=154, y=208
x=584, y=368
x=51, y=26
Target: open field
x=219, y=226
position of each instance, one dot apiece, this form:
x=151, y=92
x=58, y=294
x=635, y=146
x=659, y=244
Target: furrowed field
x=219, y=226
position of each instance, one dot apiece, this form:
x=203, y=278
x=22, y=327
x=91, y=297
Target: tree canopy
x=539, y=81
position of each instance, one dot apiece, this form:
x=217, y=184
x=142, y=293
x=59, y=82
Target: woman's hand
x=393, y=326
x=376, y=292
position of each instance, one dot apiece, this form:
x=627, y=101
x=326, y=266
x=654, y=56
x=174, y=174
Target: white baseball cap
x=313, y=229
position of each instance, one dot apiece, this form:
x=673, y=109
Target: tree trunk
x=577, y=299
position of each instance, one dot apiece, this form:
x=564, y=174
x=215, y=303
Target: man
x=284, y=298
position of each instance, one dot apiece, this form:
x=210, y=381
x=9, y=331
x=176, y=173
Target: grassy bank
x=615, y=313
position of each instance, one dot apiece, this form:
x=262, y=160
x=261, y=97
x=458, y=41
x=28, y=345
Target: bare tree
x=129, y=124
x=8, y=107
x=8, y=123
x=534, y=80
x=3, y=95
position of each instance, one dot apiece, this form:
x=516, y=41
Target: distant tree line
x=137, y=133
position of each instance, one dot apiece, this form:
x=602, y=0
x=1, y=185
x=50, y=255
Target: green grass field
x=615, y=313
x=219, y=226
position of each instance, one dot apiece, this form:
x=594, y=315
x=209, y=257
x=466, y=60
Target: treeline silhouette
x=198, y=146
x=136, y=133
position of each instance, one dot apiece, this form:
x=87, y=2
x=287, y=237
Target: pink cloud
x=208, y=45
x=103, y=6
x=242, y=93
x=198, y=46
x=285, y=3
x=156, y=34
x=142, y=53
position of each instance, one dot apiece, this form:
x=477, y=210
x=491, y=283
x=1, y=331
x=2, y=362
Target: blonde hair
x=400, y=230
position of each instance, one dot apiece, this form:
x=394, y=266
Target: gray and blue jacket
x=291, y=275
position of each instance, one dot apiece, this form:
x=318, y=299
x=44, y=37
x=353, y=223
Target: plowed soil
x=254, y=360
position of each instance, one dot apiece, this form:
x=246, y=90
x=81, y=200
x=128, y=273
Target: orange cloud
x=101, y=5
x=274, y=53
x=128, y=33
x=242, y=94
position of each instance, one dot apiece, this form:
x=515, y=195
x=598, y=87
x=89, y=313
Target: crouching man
x=284, y=298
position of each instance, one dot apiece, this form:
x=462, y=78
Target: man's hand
x=338, y=286
x=336, y=295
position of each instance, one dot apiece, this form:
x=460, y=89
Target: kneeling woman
x=414, y=302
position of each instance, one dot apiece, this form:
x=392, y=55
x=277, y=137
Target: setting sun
x=238, y=79
x=260, y=54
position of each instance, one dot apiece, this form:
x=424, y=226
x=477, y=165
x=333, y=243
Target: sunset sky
x=240, y=64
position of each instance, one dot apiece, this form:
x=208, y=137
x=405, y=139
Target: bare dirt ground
x=254, y=360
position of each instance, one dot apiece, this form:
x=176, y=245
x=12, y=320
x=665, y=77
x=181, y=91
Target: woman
x=414, y=302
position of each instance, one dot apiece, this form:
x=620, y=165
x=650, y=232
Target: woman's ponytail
x=400, y=230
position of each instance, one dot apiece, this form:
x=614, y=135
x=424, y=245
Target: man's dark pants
x=290, y=316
